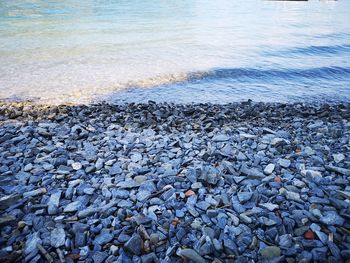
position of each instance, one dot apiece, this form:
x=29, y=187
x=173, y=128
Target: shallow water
x=181, y=51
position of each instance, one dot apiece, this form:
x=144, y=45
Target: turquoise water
x=181, y=51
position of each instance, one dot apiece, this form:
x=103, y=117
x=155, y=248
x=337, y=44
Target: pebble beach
x=162, y=182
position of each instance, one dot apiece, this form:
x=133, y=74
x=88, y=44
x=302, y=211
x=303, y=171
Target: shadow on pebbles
x=151, y=182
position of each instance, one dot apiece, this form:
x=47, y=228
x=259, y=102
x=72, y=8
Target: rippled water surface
x=182, y=51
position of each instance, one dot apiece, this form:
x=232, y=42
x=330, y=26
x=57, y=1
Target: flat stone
x=238, y=207
x=298, y=183
x=75, y=182
x=120, y=194
x=73, y=207
x=266, y=221
x=338, y=157
x=104, y=237
x=221, y=138
x=246, y=219
x=345, y=194
x=99, y=257
x=8, y=200
x=143, y=195
x=203, y=205
x=149, y=258
x=115, y=169
x=247, y=136
x=128, y=184
x=322, y=236
x=140, y=179
x=309, y=151
x=28, y=167
x=53, y=203
x=191, y=254
x=339, y=170
x=241, y=157
x=99, y=164
x=285, y=163
x=7, y=220
x=133, y=245
x=125, y=204
x=89, y=190
x=332, y=218
x=34, y=193
x=79, y=238
x=286, y=240
x=32, y=243
x=64, y=170
x=252, y=173
x=270, y=252
x=136, y=157
x=48, y=166
x=57, y=237
x=278, y=141
x=293, y=196
x=154, y=238
x=314, y=227
x=271, y=207
x=88, y=212
x=244, y=196
x=310, y=173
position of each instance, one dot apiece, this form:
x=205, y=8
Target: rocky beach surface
x=243, y=182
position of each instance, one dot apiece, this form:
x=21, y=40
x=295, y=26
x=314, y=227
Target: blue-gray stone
x=58, y=237
x=332, y=218
x=133, y=245
x=99, y=256
x=244, y=196
x=104, y=237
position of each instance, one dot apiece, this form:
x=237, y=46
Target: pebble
x=34, y=193
x=221, y=138
x=293, y=196
x=160, y=182
x=244, y=196
x=338, y=157
x=28, y=167
x=76, y=166
x=104, y=237
x=285, y=240
x=269, y=169
x=270, y=252
x=72, y=207
x=133, y=245
x=338, y=170
x=191, y=254
x=57, y=237
x=8, y=200
x=7, y=220
x=311, y=173
x=285, y=163
x=53, y=203
x=271, y=207
x=99, y=257
x=332, y=218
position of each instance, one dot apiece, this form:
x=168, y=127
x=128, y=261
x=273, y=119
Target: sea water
x=220, y=51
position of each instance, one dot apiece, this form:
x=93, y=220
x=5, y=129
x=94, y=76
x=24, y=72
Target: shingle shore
x=242, y=182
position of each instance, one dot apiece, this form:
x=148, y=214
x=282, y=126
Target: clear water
x=182, y=51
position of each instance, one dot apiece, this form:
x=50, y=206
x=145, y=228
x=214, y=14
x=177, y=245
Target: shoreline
x=160, y=181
